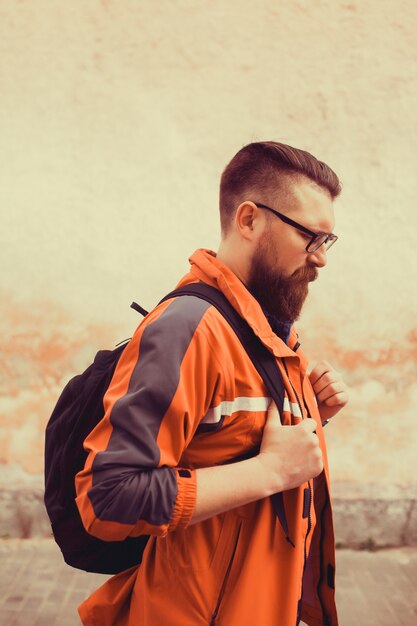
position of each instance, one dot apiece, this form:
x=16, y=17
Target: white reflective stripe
x=292, y=407
x=214, y=414
x=295, y=410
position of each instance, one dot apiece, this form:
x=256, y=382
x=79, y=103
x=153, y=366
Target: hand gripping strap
x=263, y=360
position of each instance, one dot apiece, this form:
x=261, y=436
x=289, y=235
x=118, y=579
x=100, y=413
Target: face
x=281, y=269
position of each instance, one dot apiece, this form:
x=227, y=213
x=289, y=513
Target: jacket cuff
x=186, y=499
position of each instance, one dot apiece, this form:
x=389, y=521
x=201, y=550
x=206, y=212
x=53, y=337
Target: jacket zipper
x=225, y=579
x=309, y=502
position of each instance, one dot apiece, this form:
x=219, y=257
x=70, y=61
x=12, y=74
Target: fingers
x=322, y=367
x=322, y=374
x=338, y=399
x=327, y=382
x=272, y=408
x=330, y=379
x=308, y=425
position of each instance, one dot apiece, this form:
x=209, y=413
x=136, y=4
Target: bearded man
x=191, y=447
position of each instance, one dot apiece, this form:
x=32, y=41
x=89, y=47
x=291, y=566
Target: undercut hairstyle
x=269, y=166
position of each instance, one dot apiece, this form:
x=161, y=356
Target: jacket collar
x=206, y=266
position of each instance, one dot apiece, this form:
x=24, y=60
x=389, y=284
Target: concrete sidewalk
x=38, y=589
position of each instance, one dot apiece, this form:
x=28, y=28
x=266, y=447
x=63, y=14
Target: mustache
x=305, y=274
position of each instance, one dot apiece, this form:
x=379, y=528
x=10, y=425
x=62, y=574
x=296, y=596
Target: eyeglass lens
x=319, y=241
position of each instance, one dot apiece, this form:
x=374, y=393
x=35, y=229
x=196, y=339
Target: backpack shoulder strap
x=261, y=357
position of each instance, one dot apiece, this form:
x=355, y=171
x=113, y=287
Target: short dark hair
x=269, y=165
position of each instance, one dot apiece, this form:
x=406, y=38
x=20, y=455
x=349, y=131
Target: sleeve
x=163, y=385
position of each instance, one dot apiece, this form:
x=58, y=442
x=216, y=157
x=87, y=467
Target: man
x=191, y=448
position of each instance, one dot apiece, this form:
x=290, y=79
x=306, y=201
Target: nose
x=319, y=257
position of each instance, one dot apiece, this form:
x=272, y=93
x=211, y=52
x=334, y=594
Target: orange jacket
x=185, y=395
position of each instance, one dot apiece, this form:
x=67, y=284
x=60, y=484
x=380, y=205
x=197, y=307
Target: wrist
x=270, y=482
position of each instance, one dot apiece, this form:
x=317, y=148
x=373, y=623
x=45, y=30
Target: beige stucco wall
x=116, y=119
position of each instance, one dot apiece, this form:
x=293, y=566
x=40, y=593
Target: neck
x=237, y=263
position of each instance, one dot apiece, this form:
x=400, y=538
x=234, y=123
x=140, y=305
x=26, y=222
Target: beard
x=281, y=296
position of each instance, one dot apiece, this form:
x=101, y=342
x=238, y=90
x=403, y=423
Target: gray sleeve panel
x=127, y=484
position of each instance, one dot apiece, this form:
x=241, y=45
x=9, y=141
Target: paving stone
x=372, y=588
x=32, y=603
x=7, y=617
x=24, y=618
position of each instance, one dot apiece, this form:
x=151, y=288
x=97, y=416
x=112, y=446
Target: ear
x=248, y=220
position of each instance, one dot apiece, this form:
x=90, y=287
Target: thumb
x=273, y=413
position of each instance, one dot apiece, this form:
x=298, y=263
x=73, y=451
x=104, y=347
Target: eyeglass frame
x=329, y=237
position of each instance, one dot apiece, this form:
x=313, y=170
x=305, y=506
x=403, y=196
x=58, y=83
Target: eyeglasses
x=317, y=239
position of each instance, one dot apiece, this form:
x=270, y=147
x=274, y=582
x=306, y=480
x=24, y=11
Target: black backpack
x=78, y=411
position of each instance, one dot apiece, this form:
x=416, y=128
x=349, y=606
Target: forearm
x=225, y=487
